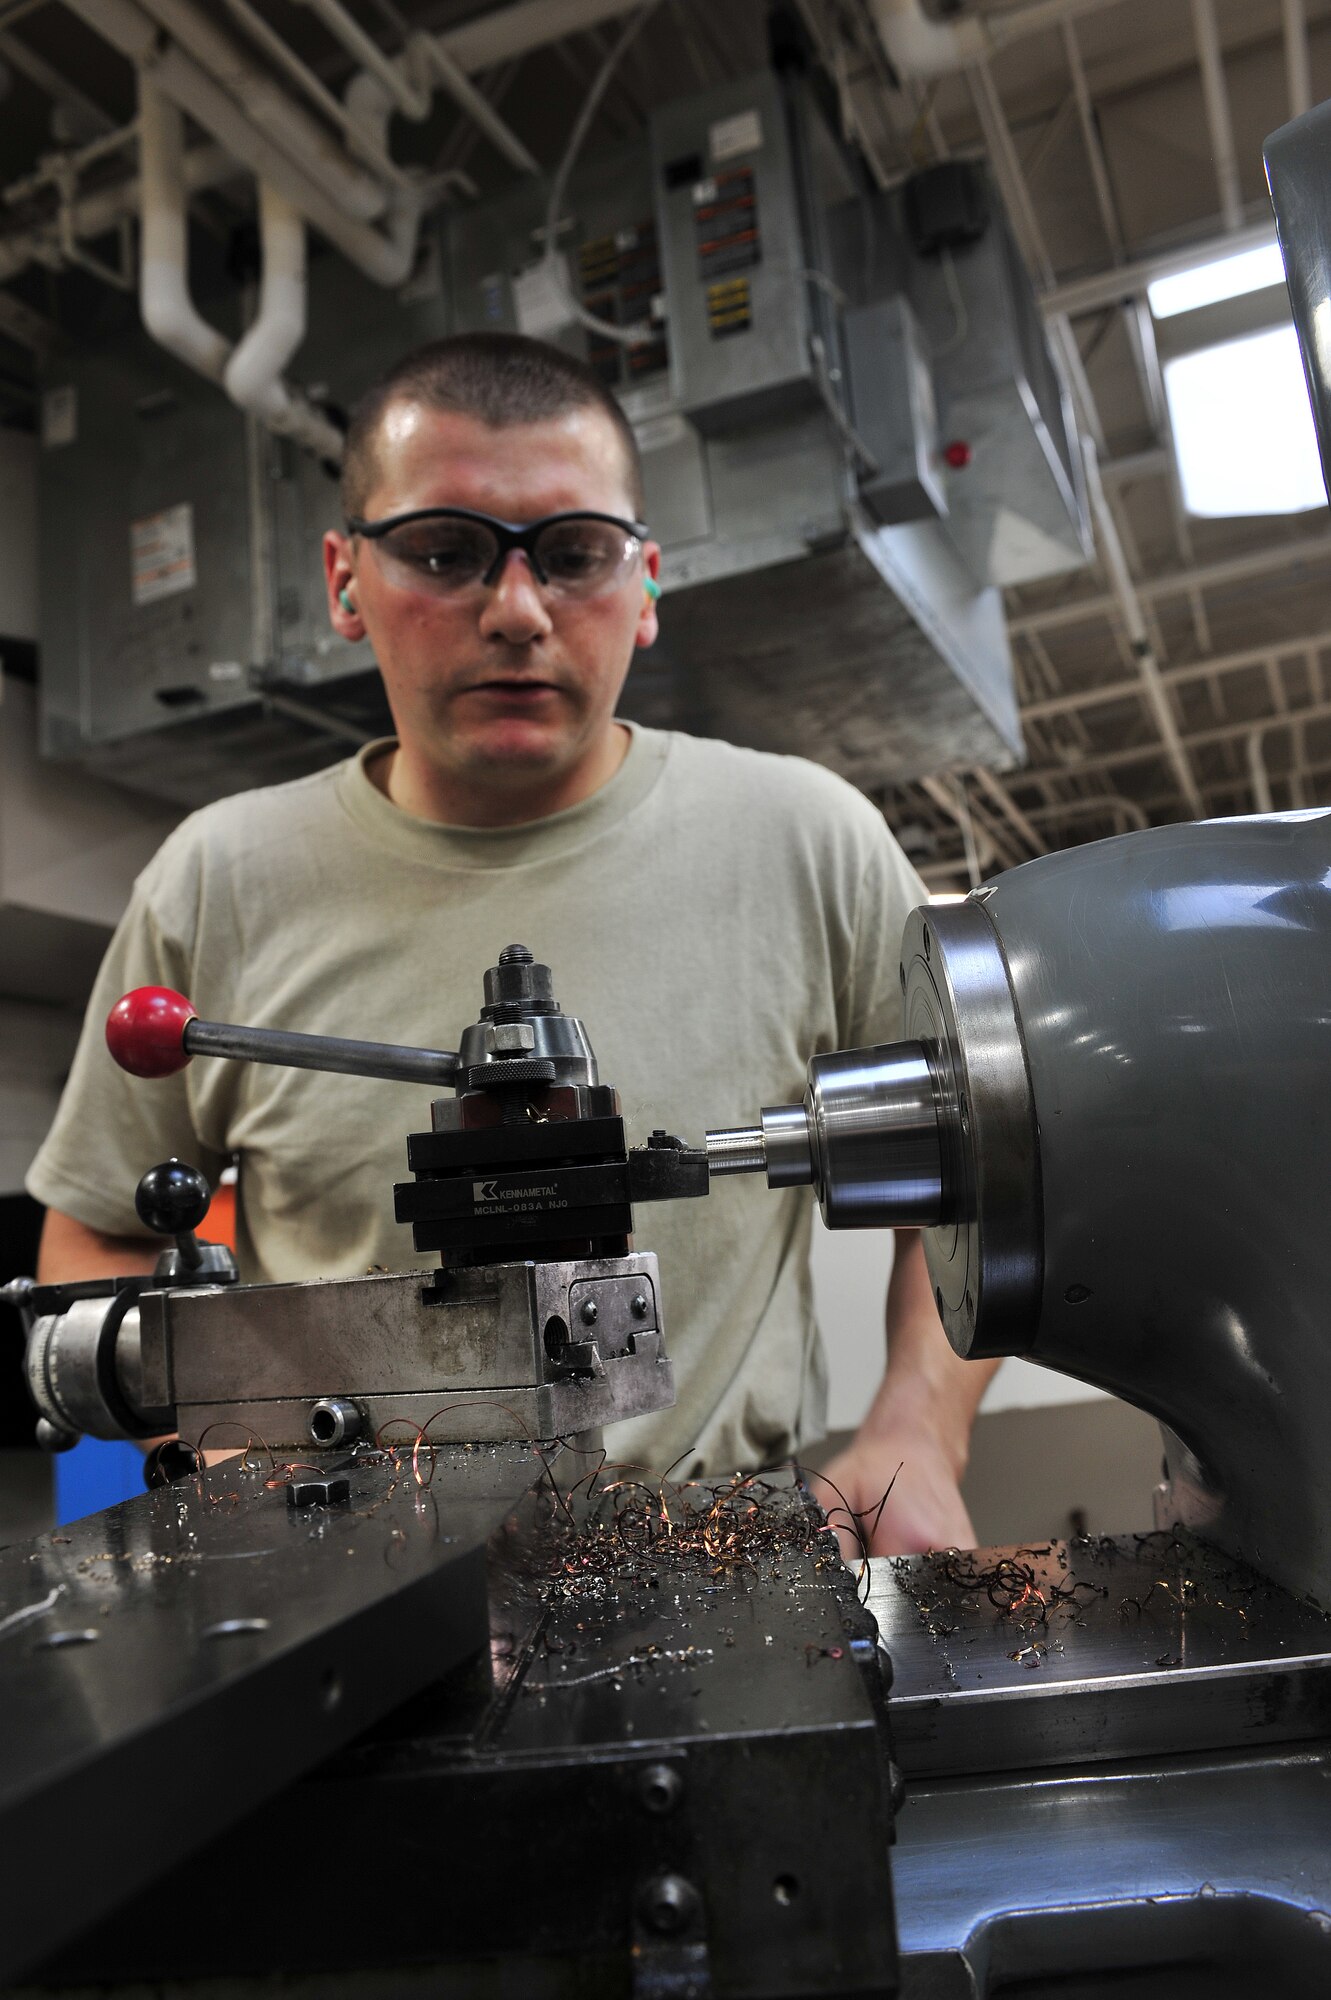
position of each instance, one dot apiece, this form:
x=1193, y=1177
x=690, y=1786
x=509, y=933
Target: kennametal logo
x=491, y=1191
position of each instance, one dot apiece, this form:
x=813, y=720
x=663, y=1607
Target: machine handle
x=155, y=1032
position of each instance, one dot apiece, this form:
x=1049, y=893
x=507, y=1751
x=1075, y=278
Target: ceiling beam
x=1307, y=551
x=1219, y=123
x=1151, y=753
x=1100, y=289
x=1077, y=701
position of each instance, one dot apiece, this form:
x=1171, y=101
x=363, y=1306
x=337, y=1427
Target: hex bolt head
x=510, y=1038
x=668, y=1904
x=589, y=1313
x=660, y=1787
x=330, y=1490
x=639, y=1306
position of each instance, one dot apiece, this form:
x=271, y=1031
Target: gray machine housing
x=1142, y=1147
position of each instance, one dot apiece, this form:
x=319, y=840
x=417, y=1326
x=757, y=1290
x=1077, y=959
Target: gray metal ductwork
x=832, y=584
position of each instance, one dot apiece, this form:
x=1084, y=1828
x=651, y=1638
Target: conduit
x=358, y=193
x=253, y=375
x=168, y=310
x=921, y=49
x=386, y=259
x=409, y=79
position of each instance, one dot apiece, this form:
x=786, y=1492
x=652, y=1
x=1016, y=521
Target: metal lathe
x=415, y=1694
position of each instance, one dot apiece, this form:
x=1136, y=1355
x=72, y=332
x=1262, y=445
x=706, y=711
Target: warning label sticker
x=161, y=554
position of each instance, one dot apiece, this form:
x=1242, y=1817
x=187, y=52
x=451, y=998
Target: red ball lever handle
x=155, y=1032
x=145, y=1031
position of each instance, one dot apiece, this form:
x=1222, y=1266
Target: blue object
x=95, y=1474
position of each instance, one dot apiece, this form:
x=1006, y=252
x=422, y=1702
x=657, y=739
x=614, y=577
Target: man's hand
x=915, y=1438
x=923, y=1507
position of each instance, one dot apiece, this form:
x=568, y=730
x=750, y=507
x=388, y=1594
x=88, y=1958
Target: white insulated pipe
x=409, y=94
x=253, y=377
x=409, y=80
x=507, y=32
x=169, y=313
x=921, y=49
x=358, y=193
x=384, y=258
x=473, y=103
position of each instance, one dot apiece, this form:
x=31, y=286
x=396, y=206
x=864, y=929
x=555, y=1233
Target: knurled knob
x=145, y=1031
x=172, y=1199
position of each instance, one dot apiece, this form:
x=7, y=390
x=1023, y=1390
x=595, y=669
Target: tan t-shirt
x=713, y=915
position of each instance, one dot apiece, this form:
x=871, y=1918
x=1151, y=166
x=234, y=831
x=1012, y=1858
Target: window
x=1243, y=430
x=1222, y=278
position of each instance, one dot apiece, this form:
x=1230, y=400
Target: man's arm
x=69, y=1250
x=917, y=1430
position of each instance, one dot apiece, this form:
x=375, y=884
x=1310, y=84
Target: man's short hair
x=499, y=378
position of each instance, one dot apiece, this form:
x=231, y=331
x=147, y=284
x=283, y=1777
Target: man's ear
x=648, y=623
x=340, y=579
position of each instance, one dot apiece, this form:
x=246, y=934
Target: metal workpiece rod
x=739, y=1150
x=325, y=1052
x=875, y=1126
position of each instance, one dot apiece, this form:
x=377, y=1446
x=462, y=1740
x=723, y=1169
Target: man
x=714, y=915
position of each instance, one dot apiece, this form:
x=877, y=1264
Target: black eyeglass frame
x=509, y=534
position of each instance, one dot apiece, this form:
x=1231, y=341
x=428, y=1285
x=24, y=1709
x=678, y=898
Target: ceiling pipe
x=410, y=79
x=169, y=313
x=253, y=377
x=357, y=192
x=411, y=96
x=251, y=373
x=476, y=106
x=508, y=32
x=921, y=49
x=280, y=53
x=385, y=258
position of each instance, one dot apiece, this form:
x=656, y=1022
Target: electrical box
x=734, y=260
x=893, y=409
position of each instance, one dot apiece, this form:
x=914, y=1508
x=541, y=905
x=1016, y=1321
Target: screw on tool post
x=153, y=1032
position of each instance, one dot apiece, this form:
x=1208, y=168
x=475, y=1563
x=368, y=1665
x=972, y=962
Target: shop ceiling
x=1190, y=672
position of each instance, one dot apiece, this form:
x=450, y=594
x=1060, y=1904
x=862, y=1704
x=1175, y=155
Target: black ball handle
x=172, y=1199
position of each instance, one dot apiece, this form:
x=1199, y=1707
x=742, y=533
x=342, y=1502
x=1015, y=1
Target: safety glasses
x=450, y=551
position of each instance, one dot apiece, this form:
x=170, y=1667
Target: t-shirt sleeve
x=870, y=1004
x=111, y=1127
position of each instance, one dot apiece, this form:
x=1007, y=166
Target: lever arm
x=155, y=1032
